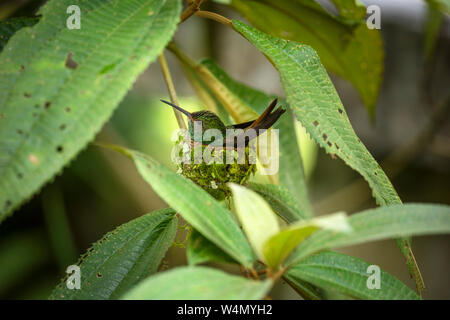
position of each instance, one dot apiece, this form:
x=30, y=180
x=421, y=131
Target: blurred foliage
x=100, y=190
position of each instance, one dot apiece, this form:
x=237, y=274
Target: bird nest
x=212, y=168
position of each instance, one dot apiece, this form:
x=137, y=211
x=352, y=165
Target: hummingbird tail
x=270, y=119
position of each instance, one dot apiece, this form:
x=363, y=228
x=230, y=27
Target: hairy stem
x=171, y=89
x=215, y=17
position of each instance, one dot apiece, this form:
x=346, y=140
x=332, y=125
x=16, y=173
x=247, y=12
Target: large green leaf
x=219, y=91
x=59, y=86
x=201, y=210
x=201, y=250
x=280, y=245
x=345, y=44
x=123, y=257
x=281, y=200
x=9, y=27
x=348, y=275
x=291, y=173
x=377, y=224
x=257, y=218
x=317, y=106
x=198, y=283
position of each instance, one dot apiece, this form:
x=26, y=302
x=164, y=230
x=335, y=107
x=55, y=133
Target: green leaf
x=54, y=92
x=377, y=224
x=443, y=5
x=201, y=210
x=123, y=257
x=306, y=290
x=291, y=172
x=257, y=218
x=345, y=44
x=201, y=250
x=347, y=275
x=435, y=18
x=204, y=93
x=352, y=11
x=198, y=283
x=9, y=27
x=317, y=106
x=281, y=200
x=219, y=91
x=280, y=245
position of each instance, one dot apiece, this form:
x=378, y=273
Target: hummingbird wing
x=254, y=123
x=242, y=125
x=268, y=120
x=264, y=121
x=265, y=114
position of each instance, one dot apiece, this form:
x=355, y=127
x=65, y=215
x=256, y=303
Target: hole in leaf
x=47, y=105
x=340, y=111
x=324, y=136
x=316, y=123
x=59, y=149
x=70, y=63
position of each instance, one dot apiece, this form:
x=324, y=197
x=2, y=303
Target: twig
x=171, y=89
x=215, y=17
x=172, y=47
x=194, y=5
x=254, y=273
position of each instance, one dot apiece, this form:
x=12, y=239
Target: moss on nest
x=212, y=176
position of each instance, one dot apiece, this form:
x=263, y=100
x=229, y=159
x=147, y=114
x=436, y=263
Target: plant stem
x=181, y=56
x=171, y=89
x=215, y=17
x=193, y=7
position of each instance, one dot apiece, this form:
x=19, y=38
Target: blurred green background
x=100, y=189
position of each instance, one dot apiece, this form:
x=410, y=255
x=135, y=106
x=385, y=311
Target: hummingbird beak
x=179, y=109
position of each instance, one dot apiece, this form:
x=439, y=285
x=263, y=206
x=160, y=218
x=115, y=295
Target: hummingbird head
x=208, y=119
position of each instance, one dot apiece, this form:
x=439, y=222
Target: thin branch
x=215, y=17
x=172, y=47
x=171, y=89
x=194, y=6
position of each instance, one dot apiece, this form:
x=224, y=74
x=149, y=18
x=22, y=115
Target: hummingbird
x=210, y=120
